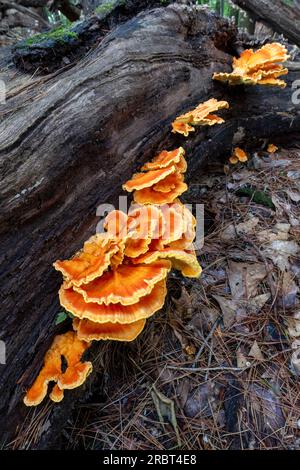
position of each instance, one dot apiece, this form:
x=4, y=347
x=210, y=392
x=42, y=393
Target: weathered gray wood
x=67, y=143
x=283, y=19
x=53, y=53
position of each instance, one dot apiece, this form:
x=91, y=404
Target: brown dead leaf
x=203, y=321
x=201, y=401
x=295, y=359
x=255, y=305
x=244, y=279
x=247, y=228
x=279, y=251
x=288, y=291
x=165, y=409
x=294, y=325
x=293, y=195
x=183, y=305
x=265, y=408
x=241, y=359
x=256, y=352
x=229, y=310
x=280, y=231
x=178, y=330
x=182, y=391
x=284, y=208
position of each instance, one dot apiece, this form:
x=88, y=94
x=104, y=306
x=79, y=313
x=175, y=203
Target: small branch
x=228, y=368
x=197, y=357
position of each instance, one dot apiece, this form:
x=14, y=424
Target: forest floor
x=218, y=368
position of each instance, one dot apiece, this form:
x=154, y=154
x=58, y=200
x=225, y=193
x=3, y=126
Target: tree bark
x=67, y=143
x=282, y=18
x=51, y=55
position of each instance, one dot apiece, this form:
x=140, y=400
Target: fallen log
x=50, y=51
x=282, y=18
x=67, y=143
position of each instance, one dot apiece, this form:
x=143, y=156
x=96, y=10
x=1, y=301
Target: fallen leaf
x=247, y=228
x=287, y=296
x=241, y=360
x=293, y=175
x=184, y=305
x=255, y=305
x=280, y=231
x=190, y=350
x=256, y=352
x=178, y=330
x=229, y=310
x=203, y=320
x=244, y=279
x=200, y=401
x=294, y=325
x=165, y=409
x=295, y=362
x=182, y=391
x=279, y=251
x=265, y=408
x=293, y=195
x=284, y=208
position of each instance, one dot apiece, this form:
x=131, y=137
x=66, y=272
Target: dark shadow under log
x=67, y=143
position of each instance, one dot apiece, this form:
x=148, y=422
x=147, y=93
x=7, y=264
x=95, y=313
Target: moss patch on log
x=60, y=35
x=107, y=7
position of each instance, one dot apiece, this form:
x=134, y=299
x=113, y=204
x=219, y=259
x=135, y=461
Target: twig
x=217, y=322
x=237, y=369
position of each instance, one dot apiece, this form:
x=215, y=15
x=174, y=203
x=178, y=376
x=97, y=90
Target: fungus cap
x=71, y=348
x=125, y=285
x=148, y=179
x=150, y=196
x=90, y=262
x=261, y=67
x=200, y=116
x=90, y=331
x=165, y=159
x=146, y=225
x=183, y=260
x=262, y=58
x=182, y=128
x=146, y=306
x=272, y=148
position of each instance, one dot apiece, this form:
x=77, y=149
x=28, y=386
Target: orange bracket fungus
x=163, y=184
x=272, y=148
x=200, y=116
x=262, y=67
x=67, y=346
x=239, y=155
x=118, y=280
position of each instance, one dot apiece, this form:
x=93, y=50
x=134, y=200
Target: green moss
x=61, y=35
x=108, y=7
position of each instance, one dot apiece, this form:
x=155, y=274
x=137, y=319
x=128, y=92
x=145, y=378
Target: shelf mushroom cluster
x=200, y=116
x=118, y=279
x=262, y=67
